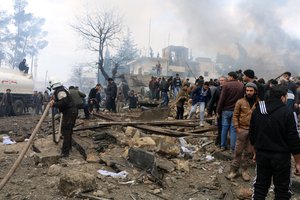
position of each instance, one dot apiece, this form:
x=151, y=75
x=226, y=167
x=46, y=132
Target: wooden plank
x=161, y=131
x=204, y=129
x=102, y=116
x=185, y=123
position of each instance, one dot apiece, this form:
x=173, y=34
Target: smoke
x=248, y=34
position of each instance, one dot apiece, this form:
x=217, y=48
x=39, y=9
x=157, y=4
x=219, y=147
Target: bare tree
x=80, y=77
x=97, y=30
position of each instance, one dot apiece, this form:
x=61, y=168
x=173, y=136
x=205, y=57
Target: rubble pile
x=121, y=156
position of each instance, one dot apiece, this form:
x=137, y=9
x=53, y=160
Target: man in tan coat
x=241, y=120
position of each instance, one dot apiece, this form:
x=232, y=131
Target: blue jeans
x=227, y=123
x=165, y=98
x=176, y=91
x=202, y=110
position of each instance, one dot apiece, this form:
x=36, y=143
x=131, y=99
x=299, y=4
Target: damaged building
x=175, y=60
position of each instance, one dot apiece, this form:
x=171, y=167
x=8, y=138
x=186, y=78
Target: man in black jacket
x=111, y=94
x=249, y=77
x=64, y=102
x=23, y=66
x=7, y=104
x=93, y=100
x=274, y=135
x=212, y=107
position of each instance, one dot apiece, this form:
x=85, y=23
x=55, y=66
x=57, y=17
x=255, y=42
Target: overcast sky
x=269, y=28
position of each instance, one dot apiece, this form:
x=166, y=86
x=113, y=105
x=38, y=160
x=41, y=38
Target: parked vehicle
x=21, y=86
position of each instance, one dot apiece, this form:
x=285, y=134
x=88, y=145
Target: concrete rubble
x=162, y=159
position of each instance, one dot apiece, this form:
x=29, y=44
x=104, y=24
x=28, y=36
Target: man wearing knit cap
x=249, y=77
x=232, y=91
x=241, y=120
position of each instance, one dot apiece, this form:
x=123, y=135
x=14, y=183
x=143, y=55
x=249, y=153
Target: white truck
x=21, y=86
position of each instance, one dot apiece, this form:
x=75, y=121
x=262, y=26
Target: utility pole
x=149, y=37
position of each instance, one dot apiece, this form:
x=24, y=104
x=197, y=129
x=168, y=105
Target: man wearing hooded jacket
x=274, y=135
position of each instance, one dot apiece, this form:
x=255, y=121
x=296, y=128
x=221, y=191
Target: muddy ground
x=197, y=177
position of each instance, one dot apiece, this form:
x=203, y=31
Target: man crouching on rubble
x=62, y=100
x=273, y=133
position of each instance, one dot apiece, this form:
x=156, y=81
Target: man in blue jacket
x=200, y=96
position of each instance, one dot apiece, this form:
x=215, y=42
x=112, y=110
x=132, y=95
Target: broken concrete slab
x=72, y=182
x=46, y=158
x=146, y=161
x=166, y=147
x=141, y=158
x=165, y=164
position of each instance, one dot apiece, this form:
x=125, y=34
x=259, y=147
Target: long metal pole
x=25, y=149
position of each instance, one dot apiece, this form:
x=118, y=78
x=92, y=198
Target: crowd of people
x=257, y=120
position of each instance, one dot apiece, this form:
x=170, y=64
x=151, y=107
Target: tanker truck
x=21, y=86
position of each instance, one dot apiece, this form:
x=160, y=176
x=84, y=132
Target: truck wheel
x=18, y=107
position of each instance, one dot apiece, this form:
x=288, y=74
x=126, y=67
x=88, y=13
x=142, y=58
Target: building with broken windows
x=175, y=60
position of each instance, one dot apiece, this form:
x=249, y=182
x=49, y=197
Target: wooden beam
x=185, y=123
x=204, y=130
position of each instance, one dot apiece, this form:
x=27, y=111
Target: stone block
x=143, y=142
x=72, y=182
x=54, y=170
x=47, y=158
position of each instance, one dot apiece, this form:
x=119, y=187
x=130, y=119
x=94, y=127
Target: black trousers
x=69, y=118
x=272, y=166
x=111, y=104
x=180, y=111
x=85, y=108
x=218, y=138
x=92, y=103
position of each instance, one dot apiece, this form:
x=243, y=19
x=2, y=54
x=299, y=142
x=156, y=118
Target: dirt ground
x=204, y=177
